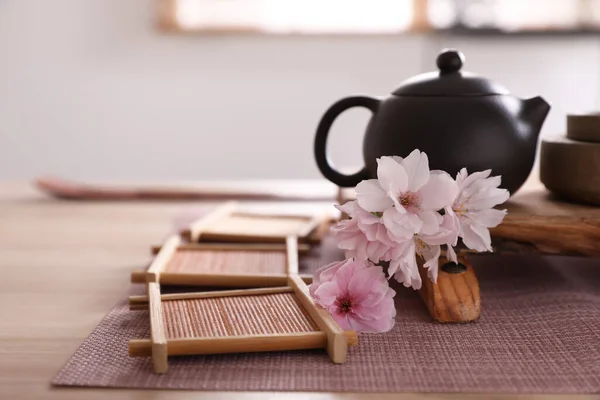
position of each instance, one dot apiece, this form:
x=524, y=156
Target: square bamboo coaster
x=250, y=320
x=230, y=265
x=230, y=223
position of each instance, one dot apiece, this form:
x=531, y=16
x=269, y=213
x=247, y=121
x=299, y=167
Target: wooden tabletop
x=64, y=265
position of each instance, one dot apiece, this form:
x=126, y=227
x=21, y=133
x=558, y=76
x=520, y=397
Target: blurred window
x=379, y=16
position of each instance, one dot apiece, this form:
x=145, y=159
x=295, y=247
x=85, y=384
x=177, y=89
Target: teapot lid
x=449, y=81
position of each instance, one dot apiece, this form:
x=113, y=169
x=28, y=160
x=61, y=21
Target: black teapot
x=459, y=119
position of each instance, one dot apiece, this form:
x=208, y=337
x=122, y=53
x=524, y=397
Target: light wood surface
x=55, y=289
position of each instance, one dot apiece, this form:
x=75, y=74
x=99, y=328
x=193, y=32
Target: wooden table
x=64, y=265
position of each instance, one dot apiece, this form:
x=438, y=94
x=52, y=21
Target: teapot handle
x=321, y=140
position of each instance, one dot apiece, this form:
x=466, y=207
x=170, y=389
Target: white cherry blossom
x=407, y=194
x=473, y=207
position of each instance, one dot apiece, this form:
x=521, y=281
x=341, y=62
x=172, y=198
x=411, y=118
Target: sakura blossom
x=403, y=265
x=407, y=194
x=363, y=236
x=473, y=208
x=357, y=295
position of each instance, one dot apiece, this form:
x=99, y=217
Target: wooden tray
x=540, y=222
x=230, y=265
x=251, y=320
x=230, y=223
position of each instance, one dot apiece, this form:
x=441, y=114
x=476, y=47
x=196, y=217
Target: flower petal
x=371, y=197
x=348, y=208
x=341, y=318
x=377, y=319
x=392, y=176
x=368, y=286
x=488, y=218
x=464, y=180
x=431, y=255
x=327, y=293
x=461, y=176
x=416, y=165
x=448, y=232
x=439, y=192
x=404, y=265
x=431, y=222
x=451, y=254
x=475, y=238
x=488, y=199
x=401, y=226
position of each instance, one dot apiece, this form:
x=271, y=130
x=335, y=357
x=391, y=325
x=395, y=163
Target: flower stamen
x=420, y=246
x=411, y=201
x=345, y=305
x=460, y=209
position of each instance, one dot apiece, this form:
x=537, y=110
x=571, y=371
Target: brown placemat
x=539, y=333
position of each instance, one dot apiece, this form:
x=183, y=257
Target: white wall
x=90, y=90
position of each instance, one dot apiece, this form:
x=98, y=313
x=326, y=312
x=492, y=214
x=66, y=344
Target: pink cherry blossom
x=473, y=207
x=363, y=236
x=408, y=194
x=403, y=264
x=356, y=294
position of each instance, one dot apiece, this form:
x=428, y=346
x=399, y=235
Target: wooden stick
x=138, y=307
x=240, y=344
x=193, y=233
x=340, y=198
x=337, y=346
x=302, y=248
x=138, y=300
x=211, y=280
x=157, y=329
x=292, y=255
x=162, y=259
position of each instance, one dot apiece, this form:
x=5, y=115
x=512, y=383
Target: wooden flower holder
x=455, y=296
x=234, y=321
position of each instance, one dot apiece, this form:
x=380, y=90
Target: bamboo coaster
x=251, y=320
x=229, y=265
x=455, y=297
x=229, y=223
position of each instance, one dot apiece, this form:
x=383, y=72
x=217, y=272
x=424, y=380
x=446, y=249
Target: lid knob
x=450, y=60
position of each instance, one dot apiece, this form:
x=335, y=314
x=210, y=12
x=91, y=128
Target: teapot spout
x=534, y=113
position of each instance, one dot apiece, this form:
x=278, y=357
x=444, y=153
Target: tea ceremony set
x=433, y=271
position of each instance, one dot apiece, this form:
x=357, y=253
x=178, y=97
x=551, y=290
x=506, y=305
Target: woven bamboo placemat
x=539, y=333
